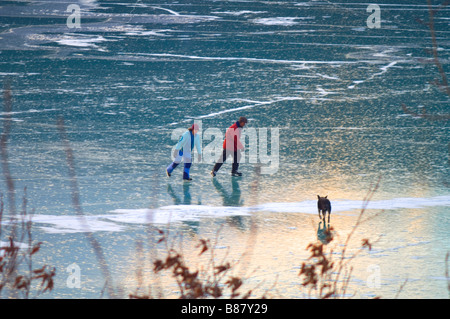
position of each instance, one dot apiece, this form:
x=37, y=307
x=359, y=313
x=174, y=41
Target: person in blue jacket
x=183, y=151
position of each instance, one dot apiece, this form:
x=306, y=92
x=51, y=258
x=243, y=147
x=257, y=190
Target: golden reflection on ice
x=267, y=249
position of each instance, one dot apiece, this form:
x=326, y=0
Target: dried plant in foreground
x=447, y=273
x=210, y=282
x=442, y=82
x=326, y=276
x=18, y=277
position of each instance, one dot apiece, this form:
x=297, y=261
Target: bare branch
x=442, y=82
x=425, y=115
x=7, y=98
x=77, y=206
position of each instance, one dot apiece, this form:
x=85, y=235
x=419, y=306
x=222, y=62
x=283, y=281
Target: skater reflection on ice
x=233, y=199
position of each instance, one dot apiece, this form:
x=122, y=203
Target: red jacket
x=233, y=134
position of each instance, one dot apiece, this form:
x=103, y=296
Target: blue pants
x=187, y=164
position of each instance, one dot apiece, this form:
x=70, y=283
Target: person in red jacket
x=232, y=146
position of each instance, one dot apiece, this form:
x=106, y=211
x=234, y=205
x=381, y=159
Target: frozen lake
x=321, y=90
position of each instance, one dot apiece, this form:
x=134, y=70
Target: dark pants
x=225, y=154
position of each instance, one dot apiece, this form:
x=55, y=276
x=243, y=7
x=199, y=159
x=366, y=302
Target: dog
x=324, y=206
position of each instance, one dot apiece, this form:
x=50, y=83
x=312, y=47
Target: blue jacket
x=187, y=142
